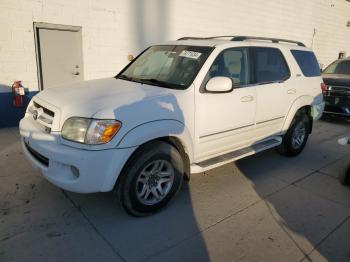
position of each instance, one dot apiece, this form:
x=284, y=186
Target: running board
x=235, y=155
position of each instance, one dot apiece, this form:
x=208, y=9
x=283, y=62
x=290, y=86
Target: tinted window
x=307, y=62
x=232, y=63
x=341, y=67
x=269, y=65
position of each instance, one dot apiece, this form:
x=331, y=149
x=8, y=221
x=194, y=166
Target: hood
x=99, y=93
x=337, y=80
x=111, y=98
x=88, y=97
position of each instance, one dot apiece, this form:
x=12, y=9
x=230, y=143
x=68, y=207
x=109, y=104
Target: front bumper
x=337, y=105
x=73, y=169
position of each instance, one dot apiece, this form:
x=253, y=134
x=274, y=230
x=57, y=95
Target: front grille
x=43, y=160
x=46, y=111
x=42, y=115
x=337, y=90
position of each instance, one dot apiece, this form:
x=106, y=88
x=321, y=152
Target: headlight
x=75, y=129
x=90, y=131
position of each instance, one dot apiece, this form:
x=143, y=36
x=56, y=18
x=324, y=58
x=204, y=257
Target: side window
x=307, y=62
x=232, y=63
x=269, y=65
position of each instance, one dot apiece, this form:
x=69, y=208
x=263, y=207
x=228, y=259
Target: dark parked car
x=337, y=94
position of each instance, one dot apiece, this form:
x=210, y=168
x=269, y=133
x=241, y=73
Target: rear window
x=269, y=65
x=339, y=67
x=307, y=62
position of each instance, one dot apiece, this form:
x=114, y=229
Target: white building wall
x=112, y=29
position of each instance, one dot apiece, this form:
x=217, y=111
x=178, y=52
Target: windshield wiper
x=126, y=77
x=142, y=80
x=155, y=81
x=161, y=83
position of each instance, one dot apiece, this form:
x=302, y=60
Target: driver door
x=225, y=121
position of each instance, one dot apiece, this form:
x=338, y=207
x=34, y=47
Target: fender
x=157, y=129
x=297, y=104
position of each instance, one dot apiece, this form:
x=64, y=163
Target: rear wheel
x=150, y=179
x=294, y=141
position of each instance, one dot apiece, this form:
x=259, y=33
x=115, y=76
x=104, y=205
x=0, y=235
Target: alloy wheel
x=154, y=182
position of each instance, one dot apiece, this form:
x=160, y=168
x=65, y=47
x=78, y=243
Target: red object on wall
x=18, y=93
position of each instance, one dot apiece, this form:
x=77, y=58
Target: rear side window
x=307, y=62
x=269, y=65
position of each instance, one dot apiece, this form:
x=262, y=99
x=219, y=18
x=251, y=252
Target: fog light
x=75, y=171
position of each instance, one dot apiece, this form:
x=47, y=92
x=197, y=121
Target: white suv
x=178, y=108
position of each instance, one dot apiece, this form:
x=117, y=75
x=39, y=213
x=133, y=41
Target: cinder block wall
x=112, y=29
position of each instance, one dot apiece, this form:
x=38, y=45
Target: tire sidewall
x=288, y=148
x=128, y=194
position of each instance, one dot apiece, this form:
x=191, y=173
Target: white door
x=60, y=55
x=275, y=92
x=224, y=121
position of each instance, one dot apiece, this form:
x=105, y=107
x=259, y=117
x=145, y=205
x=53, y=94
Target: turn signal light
x=109, y=132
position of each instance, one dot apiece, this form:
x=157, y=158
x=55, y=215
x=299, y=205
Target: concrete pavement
x=262, y=208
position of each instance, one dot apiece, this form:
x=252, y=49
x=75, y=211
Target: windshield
x=340, y=67
x=170, y=66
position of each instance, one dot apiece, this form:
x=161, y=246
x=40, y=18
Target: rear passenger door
x=274, y=93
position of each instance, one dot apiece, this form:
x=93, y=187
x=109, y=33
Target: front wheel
x=294, y=141
x=150, y=179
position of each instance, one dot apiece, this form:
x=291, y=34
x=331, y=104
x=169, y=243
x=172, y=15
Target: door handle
x=247, y=98
x=76, y=73
x=291, y=91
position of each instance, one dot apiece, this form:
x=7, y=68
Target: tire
x=344, y=176
x=294, y=141
x=154, y=168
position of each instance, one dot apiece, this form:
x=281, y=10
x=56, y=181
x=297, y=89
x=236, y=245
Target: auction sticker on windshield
x=190, y=54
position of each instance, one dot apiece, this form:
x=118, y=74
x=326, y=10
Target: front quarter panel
x=157, y=129
x=149, y=118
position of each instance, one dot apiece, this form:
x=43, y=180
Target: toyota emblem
x=35, y=115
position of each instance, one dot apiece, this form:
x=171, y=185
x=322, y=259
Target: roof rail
x=203, y=38
x=242, y=38
x=274, y=40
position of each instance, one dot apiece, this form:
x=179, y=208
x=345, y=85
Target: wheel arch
x=302, y=105
x=168, y=131
x=174, y=141
x=178, y=144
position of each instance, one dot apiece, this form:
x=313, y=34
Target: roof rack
x=243, y=38
x=204, y=38
x=274, y=40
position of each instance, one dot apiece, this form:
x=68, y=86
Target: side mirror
x=219, y=84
